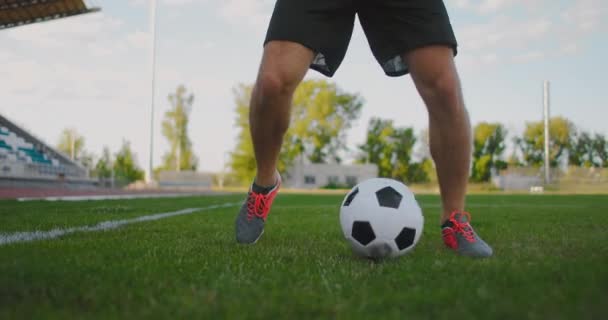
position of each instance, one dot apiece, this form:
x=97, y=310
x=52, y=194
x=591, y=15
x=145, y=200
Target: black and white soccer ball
x=381, y=218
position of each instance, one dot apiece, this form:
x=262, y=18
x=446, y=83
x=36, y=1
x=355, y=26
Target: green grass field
x=551, y=262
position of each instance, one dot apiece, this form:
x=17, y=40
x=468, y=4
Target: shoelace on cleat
x=256, y=205
x=464, y=228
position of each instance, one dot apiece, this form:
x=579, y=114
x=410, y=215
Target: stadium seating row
x=15, y=148
x=26, y=159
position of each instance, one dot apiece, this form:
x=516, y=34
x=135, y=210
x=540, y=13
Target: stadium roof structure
x=14, y=13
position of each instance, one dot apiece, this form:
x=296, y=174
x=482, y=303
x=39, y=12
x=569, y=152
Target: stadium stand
x=14, y=13
x=27, y=164
x=25, y=158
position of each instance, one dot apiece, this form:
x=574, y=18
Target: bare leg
x=284, y=65
x=434, y=73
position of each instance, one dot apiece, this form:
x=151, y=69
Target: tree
x=321, y=115
x=103, y=167
x=514, y=160
x=488, y=146
x=423, y=170
x=175, y=129
x=242, y=159
x=531, y=144
x=377, y=148
x=390, y=149
x=125, y=167
x=420, y=171
x=588, y=151
x=71, y=143
x=424, y=144
x=428, y=166
x=403, y=141
x=582, y=152
x=600, y=150
x=87, y=160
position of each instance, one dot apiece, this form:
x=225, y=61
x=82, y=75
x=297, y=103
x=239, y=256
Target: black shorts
x=392, y=28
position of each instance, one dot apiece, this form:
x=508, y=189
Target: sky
x=93, y=72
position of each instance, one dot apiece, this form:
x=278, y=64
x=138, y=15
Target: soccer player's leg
x=435, y=76
x=301, y=35
x=283, y=66
x=416, y=37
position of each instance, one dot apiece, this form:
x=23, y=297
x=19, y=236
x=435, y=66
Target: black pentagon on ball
x=405, y=238
x=363, y=232
x=351, y=197
x=389, y=197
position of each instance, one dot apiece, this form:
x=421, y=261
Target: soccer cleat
x=252, y=216
x=459, y=236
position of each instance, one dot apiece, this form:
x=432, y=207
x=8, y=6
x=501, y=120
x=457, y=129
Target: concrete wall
x=184, y=179
x=313, y=176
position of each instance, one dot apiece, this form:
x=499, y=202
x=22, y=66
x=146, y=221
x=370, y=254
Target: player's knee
x=272, y=85
x=443, y=88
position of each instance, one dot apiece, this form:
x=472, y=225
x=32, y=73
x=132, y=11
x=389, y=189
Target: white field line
x=7, y=238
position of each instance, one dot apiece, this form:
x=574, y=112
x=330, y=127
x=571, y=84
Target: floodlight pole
x=546, y=125
x=153, y=53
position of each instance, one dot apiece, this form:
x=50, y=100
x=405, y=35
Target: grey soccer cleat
x=252, y=216
x=459, y=236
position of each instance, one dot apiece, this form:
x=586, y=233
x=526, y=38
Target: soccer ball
x=381, y=218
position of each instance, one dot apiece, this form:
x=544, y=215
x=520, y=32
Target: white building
x=184, y=180
x=314, y=175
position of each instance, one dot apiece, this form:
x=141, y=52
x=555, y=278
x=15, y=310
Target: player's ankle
x=266, y=181
x=261, y=189
x=444, y=218
x=446, y=215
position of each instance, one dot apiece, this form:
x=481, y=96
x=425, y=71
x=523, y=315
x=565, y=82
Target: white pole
x=153, y=54
x=546, y=115
x=72, y=144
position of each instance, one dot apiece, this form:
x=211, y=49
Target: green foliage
x=125, y=166
x=514, y=161
x=336, y=186
x=588, y=151
x=428, y=166
x=390, y=149
x=500, y=164
x=581, y=152
x=481, y=168
x=87, y=160
x=424, y=148
x=600, y=150
x=175, y=129
x=321, y=115
x=376, y=148
x=71, y=143
x=242, y=159
x=103, y=168
x=488, y=146
x=531, y=144
x=418, y=171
